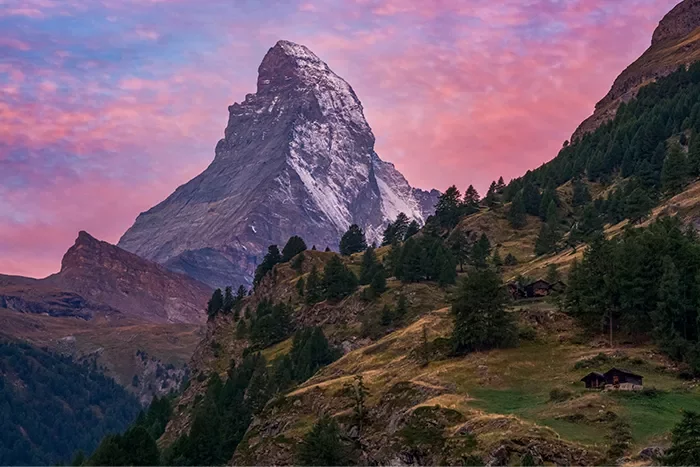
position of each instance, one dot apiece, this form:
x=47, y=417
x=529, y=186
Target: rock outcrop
x=676, y=42
x=297, y=158
x=97, y=277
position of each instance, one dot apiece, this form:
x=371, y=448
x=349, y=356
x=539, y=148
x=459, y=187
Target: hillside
x=52, y=406
x=675, y=43
x=133, y=318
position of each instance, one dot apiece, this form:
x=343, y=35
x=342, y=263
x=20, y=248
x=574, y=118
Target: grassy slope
x=517, y=382
x=115, y=346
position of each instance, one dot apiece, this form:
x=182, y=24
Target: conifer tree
x=445, y=267
x=386, y=316
x=471, y=200
x=675, y=172
x=580, y=195
x=215, y=304
x=369, y=266
x=314, y=290
x=447, y=209
x=669, y=311
x=531, y=199
x=490, y=198
x=516, y=213
x=338, y=281
x=510, y=260
x=396, y=231
x=685, y=441
x=412, y=229
x=481, y=320
x=293, y=247
x=458, y=242
x=378, y=284
x=496, y=259
x=228, y=301
x=323, y=445
x=300, y=286
x=272, y=258
x=481, y=251
x=241, y=329
x=500, y=185
x=393, y=260
x=638, y=205
x=401, y=306
x=694, y=154
x=353, y=241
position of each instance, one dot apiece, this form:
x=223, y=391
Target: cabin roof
x=623, y=371
x=595, y=374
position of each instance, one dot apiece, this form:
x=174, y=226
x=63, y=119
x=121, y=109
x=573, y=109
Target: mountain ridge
x=297, y=158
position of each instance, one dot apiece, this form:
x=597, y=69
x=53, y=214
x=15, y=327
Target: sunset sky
x=107, y=106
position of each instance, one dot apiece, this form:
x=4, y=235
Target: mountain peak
x=683, y=19
x=297, y=158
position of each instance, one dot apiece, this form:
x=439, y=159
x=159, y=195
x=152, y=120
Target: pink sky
x=107, y=106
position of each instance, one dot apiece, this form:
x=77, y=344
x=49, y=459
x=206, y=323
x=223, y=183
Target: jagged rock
x=97, y=277
x=297, y=158
x=652, y=453
x=675, y=42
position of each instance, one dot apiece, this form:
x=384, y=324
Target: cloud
x=107, y=106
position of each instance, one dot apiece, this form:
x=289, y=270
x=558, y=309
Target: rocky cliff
x=97, y=277
x=676, y=42
x=297, y=158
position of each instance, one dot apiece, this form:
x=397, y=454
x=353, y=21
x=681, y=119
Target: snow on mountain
x=297, y=159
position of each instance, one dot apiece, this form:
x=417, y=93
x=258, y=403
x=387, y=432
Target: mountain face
x=99, y=278
x=297, y=158
x=676, y=42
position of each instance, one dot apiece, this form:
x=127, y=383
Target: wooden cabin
x=594, y=380
x=539, y=288
x=623, y=379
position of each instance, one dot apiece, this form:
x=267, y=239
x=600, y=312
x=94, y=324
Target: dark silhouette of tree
x=353, y=241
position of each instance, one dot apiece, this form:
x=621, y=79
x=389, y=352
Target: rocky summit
x=297, y=158
x=99, y=279
x=675, y=43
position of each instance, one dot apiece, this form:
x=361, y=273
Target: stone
x=297, y=158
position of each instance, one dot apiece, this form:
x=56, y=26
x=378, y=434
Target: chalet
x=594, y=380
x=539, y=288
x=613, y=379
x=623, y=379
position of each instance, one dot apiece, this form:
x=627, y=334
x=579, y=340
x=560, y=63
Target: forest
x=51, y=406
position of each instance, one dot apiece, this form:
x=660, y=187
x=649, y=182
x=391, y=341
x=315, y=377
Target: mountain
x=675, y=42
x=297, y=158
x=134, y=319
x=99, y=278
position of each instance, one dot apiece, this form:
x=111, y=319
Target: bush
x=527, y=333
x=560, y=395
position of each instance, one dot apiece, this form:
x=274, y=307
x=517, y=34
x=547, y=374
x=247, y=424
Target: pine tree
x=510, y=260
x=272, y=258
x=338, y=281
x=620, y=440
x=685, y=441
x=490, y=198
x=675, y=172
x=411, y=230
x=447, y=209
x=396, y=231
x=481, y=251
x=458, y=242
x=294, y=246
x=353, y=241
x=386, y=316
x=369, y=266
x=694, y=154
x=323, y=445
x=481, y=320
x=300, y=286
x=500, y=185
x=638, y=205
x=215, y=304
x=445, y=266
x=496, y=259
x=241, y=329
x=546, y=240
x=314, y=290
x=471, y=200
x=393, y=260
x=401, y=306
x=228, y=301
x=378, y=284
x=580, y=195
x=552, y=273
x=531, y=199
x=669, y=308
x=516, y=213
